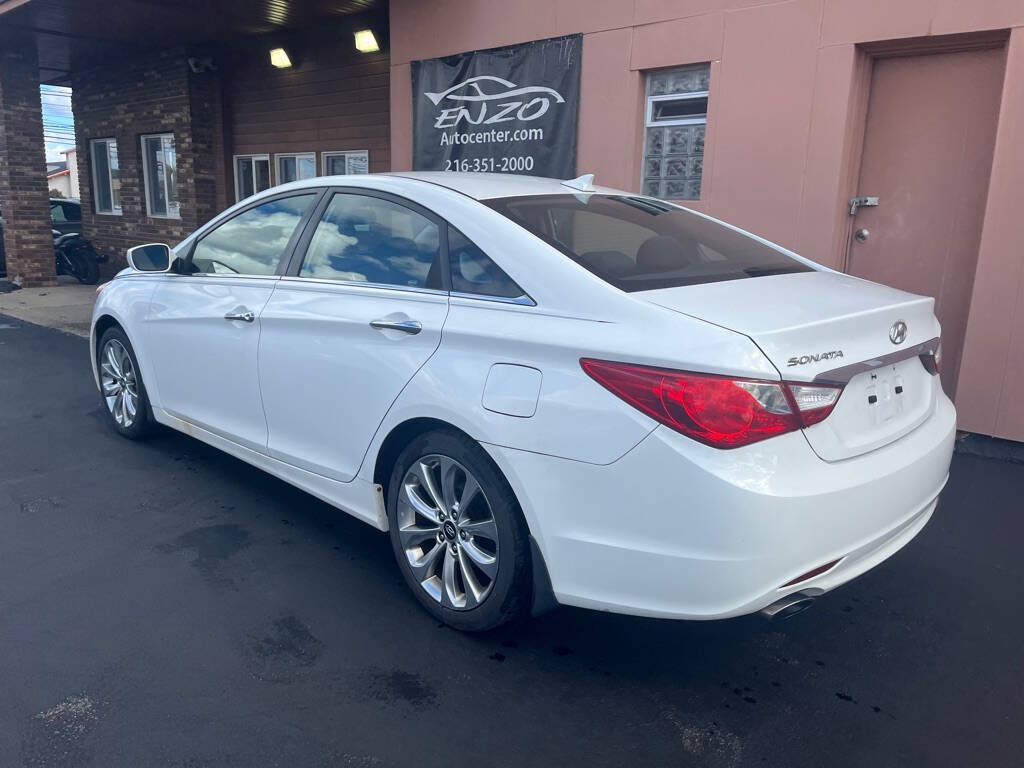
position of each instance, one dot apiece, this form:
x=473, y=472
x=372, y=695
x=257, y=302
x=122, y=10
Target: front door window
x=254, y=241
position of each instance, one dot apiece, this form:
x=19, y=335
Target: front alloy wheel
x=120, y=387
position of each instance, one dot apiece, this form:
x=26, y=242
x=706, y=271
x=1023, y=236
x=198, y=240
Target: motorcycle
x=76, y=256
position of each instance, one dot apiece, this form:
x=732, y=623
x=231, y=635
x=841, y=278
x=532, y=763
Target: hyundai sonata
x=546, y=392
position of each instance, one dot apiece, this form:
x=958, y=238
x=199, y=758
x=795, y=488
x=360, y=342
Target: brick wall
x=132, y=98
x=24, y=196
x=332, y=99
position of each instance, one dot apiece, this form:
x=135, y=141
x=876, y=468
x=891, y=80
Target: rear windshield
x=640, y=244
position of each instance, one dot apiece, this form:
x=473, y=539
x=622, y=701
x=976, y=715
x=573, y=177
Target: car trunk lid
x=828, y=327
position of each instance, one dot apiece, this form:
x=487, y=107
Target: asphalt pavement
x=163, y=604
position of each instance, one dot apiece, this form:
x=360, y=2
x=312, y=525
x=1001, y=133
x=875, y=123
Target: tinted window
x=57, y=213
x=474, y=272
x=253, y=242
x=371, y=240
x=72, y=212
x=640, y=244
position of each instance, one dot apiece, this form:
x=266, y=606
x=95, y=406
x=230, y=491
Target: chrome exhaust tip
x=788, y=606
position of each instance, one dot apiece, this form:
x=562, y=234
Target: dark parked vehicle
x=66, y=215
x=74, y=255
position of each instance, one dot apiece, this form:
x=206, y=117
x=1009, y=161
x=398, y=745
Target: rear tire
x=84, y=269
x=458, y=533
x=122, y=391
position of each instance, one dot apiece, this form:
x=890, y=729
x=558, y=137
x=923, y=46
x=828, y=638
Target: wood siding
x=332, y=99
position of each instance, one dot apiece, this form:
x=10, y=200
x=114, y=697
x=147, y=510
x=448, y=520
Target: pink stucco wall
x=785, y=125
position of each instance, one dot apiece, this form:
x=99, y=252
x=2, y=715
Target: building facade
x=881, y=139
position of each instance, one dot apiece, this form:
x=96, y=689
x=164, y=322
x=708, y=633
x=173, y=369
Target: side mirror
x=154, y=257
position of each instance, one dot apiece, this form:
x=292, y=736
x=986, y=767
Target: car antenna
x=584, y=183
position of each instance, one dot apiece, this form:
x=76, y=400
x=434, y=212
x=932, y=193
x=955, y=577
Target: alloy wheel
x=447, y=530
x=119, y=382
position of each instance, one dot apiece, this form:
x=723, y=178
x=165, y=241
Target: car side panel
x=575, y=418
x=127, y=299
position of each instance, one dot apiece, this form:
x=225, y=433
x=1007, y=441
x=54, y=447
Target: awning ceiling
x=78, y=33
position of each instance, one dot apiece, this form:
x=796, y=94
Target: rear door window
x=642, y=244
x=368, y=239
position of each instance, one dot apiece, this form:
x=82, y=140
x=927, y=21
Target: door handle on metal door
x=241, y=313
x=405, y=326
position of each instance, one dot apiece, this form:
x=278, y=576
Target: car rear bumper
x=679, y=530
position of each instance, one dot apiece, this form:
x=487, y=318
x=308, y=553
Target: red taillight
x=719, y=411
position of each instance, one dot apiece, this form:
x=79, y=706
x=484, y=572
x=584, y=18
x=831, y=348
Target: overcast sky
x=58, y=125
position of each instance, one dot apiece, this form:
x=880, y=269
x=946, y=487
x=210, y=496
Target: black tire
x=509, y=595
x=143, y=423
x=86, y=270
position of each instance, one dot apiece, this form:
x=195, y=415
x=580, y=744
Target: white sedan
x=546, y=392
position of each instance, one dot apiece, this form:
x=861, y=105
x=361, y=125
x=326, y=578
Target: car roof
x=486, y=186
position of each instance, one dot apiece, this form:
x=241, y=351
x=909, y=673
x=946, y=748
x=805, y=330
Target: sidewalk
x=66, y=306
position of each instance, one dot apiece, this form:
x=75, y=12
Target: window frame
x=298, y=254
x=344, y=153
x=145, y=175
x=254, y=158
x=286, y=256
x=279, y=156
x=114, y=210
x=651, y=122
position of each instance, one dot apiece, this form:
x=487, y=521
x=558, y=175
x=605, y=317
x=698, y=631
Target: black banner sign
x=504, y=110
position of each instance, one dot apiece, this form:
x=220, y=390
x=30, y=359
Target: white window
x=252, y=175
x=341, y=163
x=675, y=126
x=160, y=176
x=106, y=176
x=294, y=166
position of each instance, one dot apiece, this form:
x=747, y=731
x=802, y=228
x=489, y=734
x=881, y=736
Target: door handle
x=405, y=326
x=241, y=313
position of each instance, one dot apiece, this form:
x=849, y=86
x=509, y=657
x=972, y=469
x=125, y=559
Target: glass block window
x=675, y=125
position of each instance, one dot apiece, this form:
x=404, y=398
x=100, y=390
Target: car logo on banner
x=898, y=332
x=501, y=110
x=533, y=101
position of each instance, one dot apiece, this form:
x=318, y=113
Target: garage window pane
x=106, y=182
x=160, y=176
x=252, y=175
x=294, y=167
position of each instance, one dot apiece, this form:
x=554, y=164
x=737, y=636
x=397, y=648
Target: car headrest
x=612, y=263
x=662, y=252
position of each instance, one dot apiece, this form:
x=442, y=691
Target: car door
x=203, y=325
x=359, y=312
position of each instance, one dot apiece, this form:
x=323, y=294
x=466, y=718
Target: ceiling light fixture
x=366, y=42
x=279, y=58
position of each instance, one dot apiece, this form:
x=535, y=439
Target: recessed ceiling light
x=366, y=42
x=279, y=58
